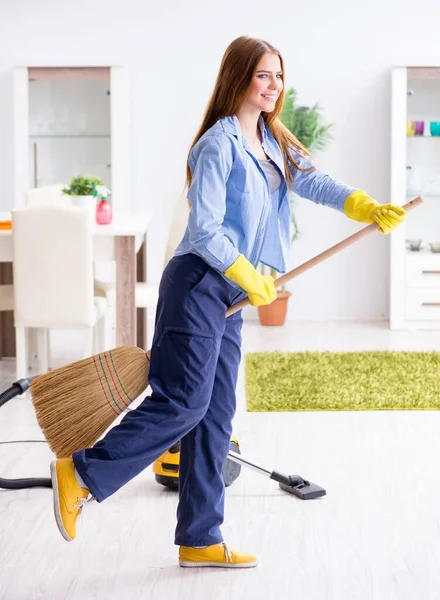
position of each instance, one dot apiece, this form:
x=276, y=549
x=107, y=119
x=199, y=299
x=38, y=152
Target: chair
x=147, y=294
x=53, y=280
x=49, y=195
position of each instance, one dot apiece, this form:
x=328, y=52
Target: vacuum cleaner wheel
x=169, y=482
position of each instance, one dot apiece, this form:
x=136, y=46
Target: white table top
x=126, y=223
x=123, y=223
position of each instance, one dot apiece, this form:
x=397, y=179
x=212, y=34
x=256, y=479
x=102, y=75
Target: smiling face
x=266, y=85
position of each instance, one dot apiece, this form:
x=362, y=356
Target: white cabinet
x=70, y=121
x=415, y=171
x=422, y=270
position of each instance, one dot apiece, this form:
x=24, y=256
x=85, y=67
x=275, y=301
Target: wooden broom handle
x=323, y=256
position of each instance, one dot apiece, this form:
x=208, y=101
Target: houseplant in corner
x=82, y=188
x=307, y=126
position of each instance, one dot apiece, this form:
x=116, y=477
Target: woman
x=240, y=168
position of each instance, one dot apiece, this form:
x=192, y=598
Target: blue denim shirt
x=231, y=206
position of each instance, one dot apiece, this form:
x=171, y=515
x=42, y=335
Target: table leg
x=125, y=290
x=7, y=330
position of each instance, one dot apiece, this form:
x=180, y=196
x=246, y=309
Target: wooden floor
x=375, y=536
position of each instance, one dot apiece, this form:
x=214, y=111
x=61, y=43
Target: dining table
x=123, y=242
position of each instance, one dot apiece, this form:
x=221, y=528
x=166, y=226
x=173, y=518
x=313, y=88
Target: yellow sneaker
x=68, y=496
x=217, y=555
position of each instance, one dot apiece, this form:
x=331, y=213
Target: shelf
x=423, y=137
x=422, y=252
x=68, y=136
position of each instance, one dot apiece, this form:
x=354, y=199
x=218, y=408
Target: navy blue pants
x=193, y=373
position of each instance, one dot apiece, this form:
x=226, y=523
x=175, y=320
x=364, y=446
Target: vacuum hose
x=17, y=388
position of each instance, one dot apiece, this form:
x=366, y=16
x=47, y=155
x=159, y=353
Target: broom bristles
x=75, y=404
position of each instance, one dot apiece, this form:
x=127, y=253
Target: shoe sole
x=186, y=563
x=56, y=502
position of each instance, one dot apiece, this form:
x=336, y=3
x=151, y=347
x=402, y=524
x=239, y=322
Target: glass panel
x=423, y=155
x=69, y=125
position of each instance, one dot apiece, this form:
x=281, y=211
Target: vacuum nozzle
x=296, y=485
x=305, y=490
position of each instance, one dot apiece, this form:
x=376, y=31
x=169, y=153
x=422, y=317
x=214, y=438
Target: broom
x=75, y=404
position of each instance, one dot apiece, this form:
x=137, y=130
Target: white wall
x=338, y=53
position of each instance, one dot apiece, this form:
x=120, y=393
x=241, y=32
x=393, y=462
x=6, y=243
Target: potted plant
x=82, y=188
x=307, y=126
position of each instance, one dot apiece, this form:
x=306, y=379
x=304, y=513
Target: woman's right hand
x=259, y=288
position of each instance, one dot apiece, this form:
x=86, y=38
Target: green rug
x=310, y=381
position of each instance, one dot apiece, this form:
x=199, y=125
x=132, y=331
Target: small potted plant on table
x=81, y=188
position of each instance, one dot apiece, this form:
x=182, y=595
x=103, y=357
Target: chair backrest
x=53, y=268
x=49, y=195
x=178, y=226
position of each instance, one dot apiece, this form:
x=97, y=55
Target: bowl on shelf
x=434, y=128
x=435, y=246
x=419, y=127
x=414, y=245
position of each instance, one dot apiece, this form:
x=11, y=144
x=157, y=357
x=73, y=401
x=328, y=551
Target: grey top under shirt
x=272, y=174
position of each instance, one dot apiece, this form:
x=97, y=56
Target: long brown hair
x=233, y=80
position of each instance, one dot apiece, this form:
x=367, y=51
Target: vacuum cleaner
x=166, y=470
x=166, y=467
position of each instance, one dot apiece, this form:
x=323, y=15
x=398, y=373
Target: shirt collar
x=232, y=125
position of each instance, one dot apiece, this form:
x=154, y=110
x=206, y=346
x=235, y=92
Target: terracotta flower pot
x=274, y=314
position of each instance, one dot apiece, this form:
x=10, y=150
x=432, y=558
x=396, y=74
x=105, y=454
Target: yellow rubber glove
x=260, y=288
x=360, y=207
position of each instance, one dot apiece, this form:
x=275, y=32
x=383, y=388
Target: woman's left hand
x=388, y=217
x=359, y=206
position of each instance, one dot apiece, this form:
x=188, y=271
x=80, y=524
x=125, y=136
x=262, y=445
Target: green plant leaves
x=82, y=185
x=305, y=123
